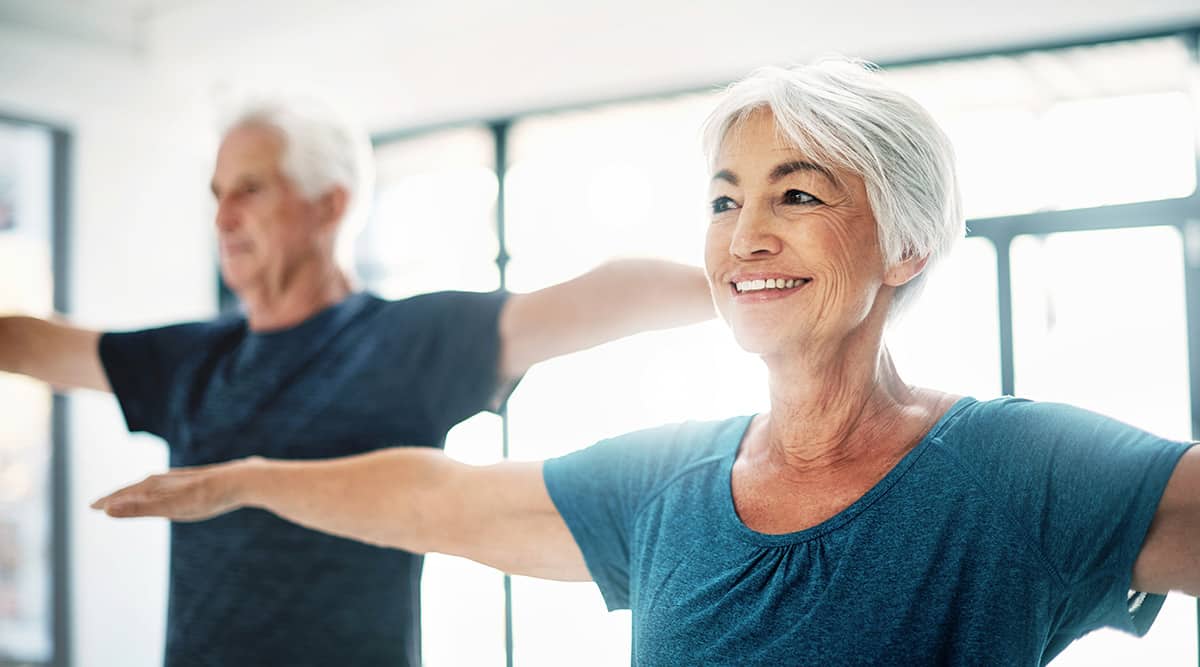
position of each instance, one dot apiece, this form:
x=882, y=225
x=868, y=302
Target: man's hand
x=182, y=494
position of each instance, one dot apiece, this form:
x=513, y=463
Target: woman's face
x=792, y=252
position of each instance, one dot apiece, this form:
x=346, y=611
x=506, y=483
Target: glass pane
x=1099, y=321
x=1067, y=128
x=457, y=593
x=26, y=287
x=433, y=228
x=950, y=339
x=586, y=187
x=1119, y=149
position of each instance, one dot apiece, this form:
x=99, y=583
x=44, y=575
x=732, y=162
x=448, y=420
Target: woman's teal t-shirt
x=1010, y=530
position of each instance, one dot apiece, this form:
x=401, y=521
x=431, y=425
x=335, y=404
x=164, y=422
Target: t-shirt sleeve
x=462, y=353
x=600, y=490
x=1087, y=487
x=143, y=369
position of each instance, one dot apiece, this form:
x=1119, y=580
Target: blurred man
x=315, y=369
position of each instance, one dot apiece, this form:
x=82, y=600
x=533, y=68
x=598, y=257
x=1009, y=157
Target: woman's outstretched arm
x=412, y=498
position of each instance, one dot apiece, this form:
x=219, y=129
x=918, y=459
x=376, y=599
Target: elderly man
x=314, y=369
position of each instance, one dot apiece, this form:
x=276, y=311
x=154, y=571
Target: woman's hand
x=182, y=494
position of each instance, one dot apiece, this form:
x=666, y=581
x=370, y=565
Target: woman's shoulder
x=683, y=441
x=1010, y=430
x=1012, y=414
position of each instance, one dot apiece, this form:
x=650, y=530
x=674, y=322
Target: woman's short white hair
x=843, y=114
x=321, y=149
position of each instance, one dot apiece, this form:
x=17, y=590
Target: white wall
x=141, y=254
x=141, y=118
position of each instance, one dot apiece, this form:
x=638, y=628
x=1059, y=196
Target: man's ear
x=905, y=270
x=333, y=204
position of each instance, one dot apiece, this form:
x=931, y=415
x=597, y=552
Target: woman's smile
x=760, y=288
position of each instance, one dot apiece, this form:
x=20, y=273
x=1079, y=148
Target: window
x=1068, y=128
x=433, y=224
x=27, y=525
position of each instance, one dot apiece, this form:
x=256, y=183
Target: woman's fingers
x=177, y=495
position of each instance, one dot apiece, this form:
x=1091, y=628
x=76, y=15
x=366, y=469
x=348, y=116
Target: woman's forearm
x=402, y=497
x=388, y=497
x=412, y=498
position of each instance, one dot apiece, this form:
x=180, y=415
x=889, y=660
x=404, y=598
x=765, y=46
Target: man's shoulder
x=188, y=332
x=448, y=308
x=443, y=298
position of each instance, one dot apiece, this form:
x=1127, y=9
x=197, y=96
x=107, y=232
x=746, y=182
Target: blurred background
x=519, y=144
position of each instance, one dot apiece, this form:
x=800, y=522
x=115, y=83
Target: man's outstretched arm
x=64, y=356
x=617, y=299
x=412, y=498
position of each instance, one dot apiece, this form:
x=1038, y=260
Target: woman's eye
x=722, y=204
x=799, y=197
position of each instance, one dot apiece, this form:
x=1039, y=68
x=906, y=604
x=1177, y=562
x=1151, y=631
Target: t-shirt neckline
x=317, y=320
x=735, y=523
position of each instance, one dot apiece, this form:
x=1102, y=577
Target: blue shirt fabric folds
x=249, y=588
x=1010, y=530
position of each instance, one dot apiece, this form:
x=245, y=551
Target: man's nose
x=227, y=217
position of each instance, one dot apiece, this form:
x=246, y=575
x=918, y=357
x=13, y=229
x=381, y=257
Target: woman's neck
x=831, y=411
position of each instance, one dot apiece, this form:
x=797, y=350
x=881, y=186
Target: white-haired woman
x=862, y=520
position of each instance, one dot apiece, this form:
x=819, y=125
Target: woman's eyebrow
x=727, y=176
x=783, y=170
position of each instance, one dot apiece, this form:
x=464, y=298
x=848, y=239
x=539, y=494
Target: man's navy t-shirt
x=248, y=588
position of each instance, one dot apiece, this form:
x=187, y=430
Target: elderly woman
x=862, y=520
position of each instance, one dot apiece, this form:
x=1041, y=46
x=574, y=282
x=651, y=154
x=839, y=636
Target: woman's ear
x=905, y=270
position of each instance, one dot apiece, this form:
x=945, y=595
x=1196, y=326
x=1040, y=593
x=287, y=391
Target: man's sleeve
x=1088, y=487
x=143, y=368
x=460, y=364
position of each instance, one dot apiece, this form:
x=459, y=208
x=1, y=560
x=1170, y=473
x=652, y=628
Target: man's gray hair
x=843, y=114
x=321, y=150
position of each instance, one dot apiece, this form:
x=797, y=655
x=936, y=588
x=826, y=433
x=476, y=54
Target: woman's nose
x=753, y=235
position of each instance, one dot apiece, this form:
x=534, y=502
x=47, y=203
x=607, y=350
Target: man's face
x=266, y=229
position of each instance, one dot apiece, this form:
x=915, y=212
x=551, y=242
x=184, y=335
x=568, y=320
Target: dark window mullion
x=59, y=468
x=1003, y=246
x=500, y=138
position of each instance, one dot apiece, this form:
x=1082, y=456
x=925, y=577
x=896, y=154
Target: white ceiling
x=135, y=24
x=406, y=63
x=116, y=24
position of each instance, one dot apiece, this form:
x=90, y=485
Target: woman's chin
x=761, y=342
